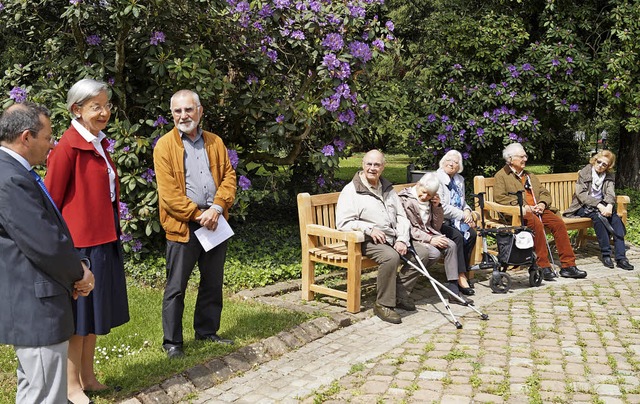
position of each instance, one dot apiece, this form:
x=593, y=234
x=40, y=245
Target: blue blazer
x=38, y=263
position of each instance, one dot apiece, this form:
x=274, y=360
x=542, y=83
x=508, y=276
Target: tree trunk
x=628, y=162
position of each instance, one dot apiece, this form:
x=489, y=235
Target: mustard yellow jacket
x=176, y=210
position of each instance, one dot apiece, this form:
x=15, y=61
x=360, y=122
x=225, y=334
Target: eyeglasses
x=521, y=156
x=99, y=108
x=602, y=163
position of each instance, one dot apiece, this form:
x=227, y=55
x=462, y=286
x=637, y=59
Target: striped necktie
x=44, y=188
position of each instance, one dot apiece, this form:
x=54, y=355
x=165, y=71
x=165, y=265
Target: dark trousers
x=181, y=259
x=392, y=285
x=465, y=247
x=602, y=234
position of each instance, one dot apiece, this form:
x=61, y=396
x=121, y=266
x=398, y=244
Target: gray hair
x=452, y=154
x=20, y=117
x=84, y=90
x=430, y=182
x=511, y=150
x=182, y=93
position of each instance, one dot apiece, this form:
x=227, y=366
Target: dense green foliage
x=293, y=85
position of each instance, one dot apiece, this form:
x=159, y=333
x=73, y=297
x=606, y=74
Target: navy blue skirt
x=106, y=306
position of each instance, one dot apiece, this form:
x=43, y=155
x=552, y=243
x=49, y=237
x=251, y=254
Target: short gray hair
x=430, y=182
x=183, y=93
x=20, y=117
x=511, y=150
x=84, y=90
x=452, y=154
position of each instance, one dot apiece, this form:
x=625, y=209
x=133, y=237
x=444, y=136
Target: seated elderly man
x=370, y=204
x=538, y=212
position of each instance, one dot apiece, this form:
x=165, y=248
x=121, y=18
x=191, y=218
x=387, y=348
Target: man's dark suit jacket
x=38, y=262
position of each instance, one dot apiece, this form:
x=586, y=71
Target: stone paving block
x=451, y=399
x=220, y=370
x=313, y=331
x=155, y=395
x=608, y=390
x=131, y=400
x=275, y=346
x=237, y=362
x=290, y=340
x=432, y=375
x=177, y=387
x=254, y=354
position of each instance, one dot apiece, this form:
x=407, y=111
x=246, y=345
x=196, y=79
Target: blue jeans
x=603, y=234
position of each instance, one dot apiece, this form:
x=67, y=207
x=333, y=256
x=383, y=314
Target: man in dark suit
x=40, y=270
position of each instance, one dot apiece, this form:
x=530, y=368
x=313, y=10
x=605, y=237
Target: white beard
x=188, y=127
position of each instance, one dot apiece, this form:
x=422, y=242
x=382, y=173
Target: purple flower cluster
x=378, y=44
x=574, y=107
x=356, y=11
x=297, y=34
x=320, y=181
x=315, y=6
x=124, y=211
x=75, y=2
x=233, y=158
x=244, y=183
x=333, y=41
x=265, y=11
x=161, y=121
x=280, y=119
x=94, y=40
x=112, y=143
x=18, y=94
x=148, y=175
x=328, y=150
x=272, y=55
x=347, y=116
x=360, y=50
x=136, y=246
x=157, y=37
x=389, y=25
x=252, y=78
x=340, y=144
x=126, y=237
x=281, y=4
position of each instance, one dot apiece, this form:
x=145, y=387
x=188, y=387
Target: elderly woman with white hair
x=422, y=205
x=83, y=182
x=460, y=219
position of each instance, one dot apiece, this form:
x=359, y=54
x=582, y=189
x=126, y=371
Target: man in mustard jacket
x=538, y=212
x=196, y=185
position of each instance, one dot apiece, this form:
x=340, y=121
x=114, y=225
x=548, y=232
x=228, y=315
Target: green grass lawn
x=131, y=356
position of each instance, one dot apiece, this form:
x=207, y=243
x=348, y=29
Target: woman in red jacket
x=83, y=182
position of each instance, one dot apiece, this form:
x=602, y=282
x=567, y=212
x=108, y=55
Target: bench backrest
x=321, y=210
x=561, y=186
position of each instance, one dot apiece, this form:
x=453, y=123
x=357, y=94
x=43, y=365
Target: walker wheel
x=500, y=282
x=535, y=277
x=458, y=325
x=484, y=316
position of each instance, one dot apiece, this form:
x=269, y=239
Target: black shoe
x=465, y=301
x=174, y=352
x=547, y=274
x=607, y=261
x=572, y=272
x=466, y=291
x=406, y=304
x=387, y=314
x=624, y=264
x=213, y=338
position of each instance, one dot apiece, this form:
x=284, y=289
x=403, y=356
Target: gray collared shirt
x=200, y=186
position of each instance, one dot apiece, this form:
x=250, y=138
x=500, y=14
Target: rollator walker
x=515, y=249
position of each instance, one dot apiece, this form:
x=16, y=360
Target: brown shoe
x=387, y=314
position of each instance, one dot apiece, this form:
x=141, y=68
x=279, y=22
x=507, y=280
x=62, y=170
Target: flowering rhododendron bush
x=279, y=81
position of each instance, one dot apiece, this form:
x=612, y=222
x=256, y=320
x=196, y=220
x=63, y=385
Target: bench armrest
x=513, y=211
x=324, y=231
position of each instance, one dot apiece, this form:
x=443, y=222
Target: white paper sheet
x=209, y=239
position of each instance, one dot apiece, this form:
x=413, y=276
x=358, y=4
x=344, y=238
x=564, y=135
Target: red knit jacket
x=78, y=182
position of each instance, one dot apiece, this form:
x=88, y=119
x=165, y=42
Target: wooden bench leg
x=308, y=277
x=354, y=284
x=581, y=238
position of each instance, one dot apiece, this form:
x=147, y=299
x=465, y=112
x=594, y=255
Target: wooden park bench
x=561, y=186
x=323, y=243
